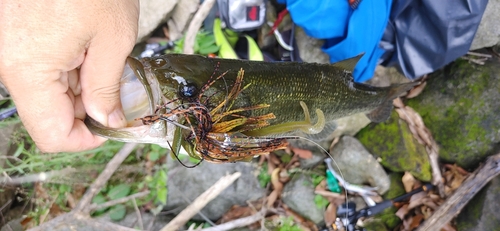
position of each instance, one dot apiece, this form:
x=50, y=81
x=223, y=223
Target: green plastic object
x=332, y=183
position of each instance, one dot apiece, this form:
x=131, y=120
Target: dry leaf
x=401, y=213
x=334, y=142
x=275, y=180
x=270, y=166
x=302, y=153
x=321, y=186
x=273, y=197
x=262, y=159
x=456, y=168
x=397, y=102
x=415, y=222
x=416, y=90
x=330, y=214
x=416, y=200
x=274, y=159
x=303, y=223
x=407, y=223
x=408, y=181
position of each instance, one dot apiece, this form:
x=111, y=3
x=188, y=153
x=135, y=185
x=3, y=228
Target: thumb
x=100, y=76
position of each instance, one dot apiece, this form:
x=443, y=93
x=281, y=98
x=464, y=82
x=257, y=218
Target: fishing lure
x=216, y=134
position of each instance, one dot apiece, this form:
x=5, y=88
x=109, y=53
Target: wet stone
x=186, y=184
x=298, y=194
x=358, y=166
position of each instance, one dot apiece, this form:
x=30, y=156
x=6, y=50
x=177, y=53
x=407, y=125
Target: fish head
x=178, y=76
x=149, y=87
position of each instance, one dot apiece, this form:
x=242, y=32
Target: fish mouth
x=140, y=95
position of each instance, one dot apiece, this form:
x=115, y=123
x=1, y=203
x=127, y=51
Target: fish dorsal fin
x=349, y=64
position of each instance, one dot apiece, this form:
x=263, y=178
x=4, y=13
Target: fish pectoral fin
x=381, y=113
x=305, y=126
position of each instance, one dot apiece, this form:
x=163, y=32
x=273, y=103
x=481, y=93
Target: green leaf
x=264, y=177
x=162, y=176
x=154, y=156
x=161, y=195
x=286, y=158
x=320, y=201
x=207, y=41
x=208, y=50
x=118, y=191
x=99, y=199
x=63, y=188
x=117, y=212
x=317, y=179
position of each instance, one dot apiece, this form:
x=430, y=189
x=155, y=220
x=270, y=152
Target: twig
x=94, y=207
x=195, y=25
x=138, y=213
x=479, y=61
x=186, y=199
x=470, y=187
x=38, y=177
x=79, y=217
x=113, y=164
x=242, y=222
x=200, y=202
x=77, y=222
x=479, y=54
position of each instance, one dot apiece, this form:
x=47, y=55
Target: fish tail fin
x=382, y=112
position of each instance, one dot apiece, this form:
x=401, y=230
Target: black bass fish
x=284, y=90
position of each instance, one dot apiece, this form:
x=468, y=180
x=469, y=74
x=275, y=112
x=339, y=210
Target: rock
x=349, y=125
x=182, y=15
x=358, y=166
x=385, y=76
x=488, y=33
x=395, y=146
x=461, y=108
x=298, y=194
x=185, y=184
x=13, y=225
x=481, y=213
x=131, y=221
x=310, y=48
x=152, y=14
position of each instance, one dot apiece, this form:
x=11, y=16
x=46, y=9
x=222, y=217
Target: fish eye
x=188, y=91
x=159, y=62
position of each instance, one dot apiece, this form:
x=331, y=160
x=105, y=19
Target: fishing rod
x=347, y=216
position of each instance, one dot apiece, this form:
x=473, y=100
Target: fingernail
x=117, y=119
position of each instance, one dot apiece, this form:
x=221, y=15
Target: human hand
x=61, y=60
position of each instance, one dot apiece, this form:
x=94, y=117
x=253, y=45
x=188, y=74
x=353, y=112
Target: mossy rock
x=461, y=107
x=398, y=150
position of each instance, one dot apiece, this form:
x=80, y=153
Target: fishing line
x=180, y=161
x=329, y=155
x=236, y=144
